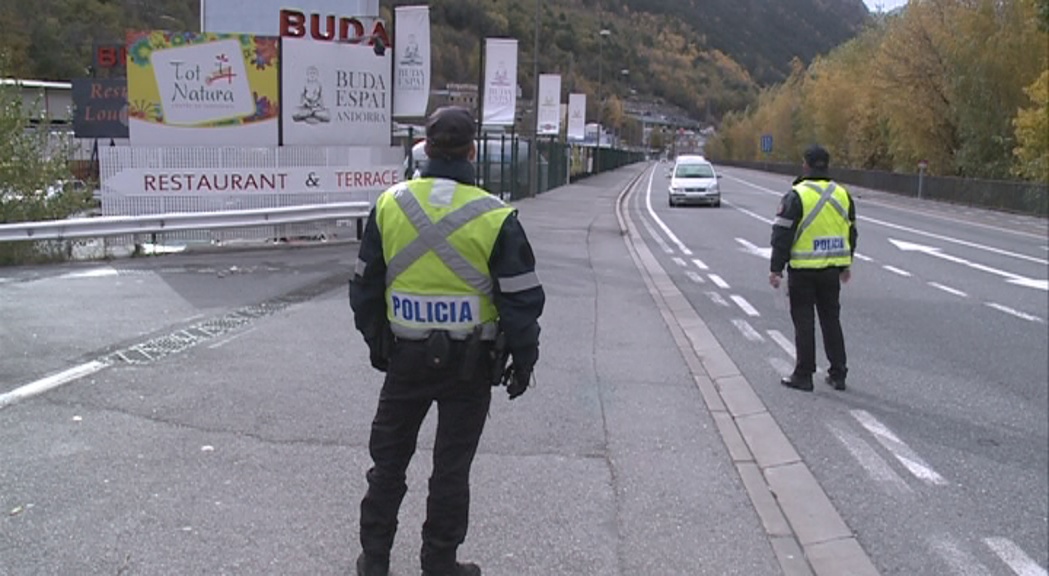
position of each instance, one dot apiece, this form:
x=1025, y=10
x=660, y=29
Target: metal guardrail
x=1031, y=198
x=174, y=222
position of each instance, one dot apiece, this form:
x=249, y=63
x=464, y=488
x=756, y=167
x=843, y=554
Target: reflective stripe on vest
x=822, y=238
x=414, y=311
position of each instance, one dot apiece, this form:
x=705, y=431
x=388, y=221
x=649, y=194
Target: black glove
x=378, y=359
x=519, y=380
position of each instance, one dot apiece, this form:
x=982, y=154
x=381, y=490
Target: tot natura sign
x=335, y=94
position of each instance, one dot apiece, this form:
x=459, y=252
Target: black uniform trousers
x=816, y=290
x=462, y=408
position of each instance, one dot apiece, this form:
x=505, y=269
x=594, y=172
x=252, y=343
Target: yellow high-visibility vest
x=822, y=237
x=437, y=238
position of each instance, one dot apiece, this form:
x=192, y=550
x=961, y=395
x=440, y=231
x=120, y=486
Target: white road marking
x=948, y=289
x=783, y=343
x=680, y=262
x=700, y=264
x=751, y=248
x=648, y=203
x=876, y=466
x=912, y=230
x=695, y=276
x=749, y=213
x=961, y=562
x=655, y=236
x=896, y=270
x=898, y=448
x=93, y=273
x=50, y=382
x=937, y=253
x=718, y=281
x=744, y=305
x=1017, y=313
x=1015, y=557
x=781, y=366
x=748, y=331
x=717, y=298
x=863, y=257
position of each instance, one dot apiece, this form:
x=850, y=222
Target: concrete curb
x=807, y=535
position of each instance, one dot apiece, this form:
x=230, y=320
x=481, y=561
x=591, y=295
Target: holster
x=438, y=349
x=500, y=355
x=471, y=355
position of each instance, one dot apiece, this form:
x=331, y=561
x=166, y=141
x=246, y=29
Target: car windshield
x=694, y=171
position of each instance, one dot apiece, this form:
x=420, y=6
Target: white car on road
x=693, y=180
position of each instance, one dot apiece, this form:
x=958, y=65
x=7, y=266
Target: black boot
x=372, y=566
x=461, y=569
x=797, y=382
x=836, y=382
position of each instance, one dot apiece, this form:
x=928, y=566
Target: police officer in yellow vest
x=815, y=232
x=444, y=271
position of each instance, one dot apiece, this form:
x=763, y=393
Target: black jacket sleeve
x=854, y=234
x=518, y=294
x=368, y=285
x=784, y=228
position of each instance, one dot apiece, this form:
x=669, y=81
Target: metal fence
x=1008, y=196
x=504, y=162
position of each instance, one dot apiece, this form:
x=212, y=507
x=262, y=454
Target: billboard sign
x=335, y=94
x=100, y=107
x=186, y=88
x=263, y=17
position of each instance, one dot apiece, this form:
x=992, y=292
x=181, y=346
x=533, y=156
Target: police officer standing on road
x=815, y=231
x=445, y=281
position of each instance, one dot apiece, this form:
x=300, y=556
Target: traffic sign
x=766, y=143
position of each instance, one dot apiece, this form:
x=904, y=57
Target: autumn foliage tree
x=958, y=83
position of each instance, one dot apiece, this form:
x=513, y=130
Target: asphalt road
x=937, y=454
x=217, y=420
x=209, y=411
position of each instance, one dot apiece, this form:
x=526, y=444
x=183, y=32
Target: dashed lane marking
x=695, y=276
x=717, y=298
x=718, y=281
x=1016, y=313
x=948, y=289
x=748, y=331
x=896, y=270
x=783, y=343
x=899, y=449
x=879, y=470
x=680, y=262
x=700, y=264
x=744, y=305
x=1015, y=557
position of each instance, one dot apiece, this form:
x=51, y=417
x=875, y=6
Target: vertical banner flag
x=549, y=104
x=335, y=94
x=500, y=82
x=187, y=88
x=577, y=116
x=411, y=88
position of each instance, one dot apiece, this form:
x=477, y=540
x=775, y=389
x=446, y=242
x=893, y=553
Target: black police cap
x=816, y=156
x=450, y=127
